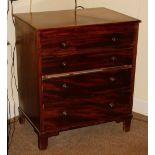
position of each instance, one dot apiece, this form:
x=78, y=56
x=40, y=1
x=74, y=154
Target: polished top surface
x=66, y=18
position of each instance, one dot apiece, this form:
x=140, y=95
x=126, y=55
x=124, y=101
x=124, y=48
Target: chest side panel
x=28, y=71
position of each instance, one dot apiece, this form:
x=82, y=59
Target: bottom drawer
x=100, y=108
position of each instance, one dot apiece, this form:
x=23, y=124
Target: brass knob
x=112, y=79
x=64, y=113
x=113, y=58
x=114, y=39
x=63, y=44
x=64, y=85
x=111, y=105
x=64, y=63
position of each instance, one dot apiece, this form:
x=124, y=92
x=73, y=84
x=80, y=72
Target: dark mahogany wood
x=95, y=108
x=127, y=124
x=98, y=37
x=66, y=89
x=66, y=18
x=75, y=72
x=42, y=142
x=27, y=69
x=60, y=64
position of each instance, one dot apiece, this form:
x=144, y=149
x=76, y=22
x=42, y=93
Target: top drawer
x=88, y=37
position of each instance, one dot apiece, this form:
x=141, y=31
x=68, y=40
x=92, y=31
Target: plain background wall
x=136, y=8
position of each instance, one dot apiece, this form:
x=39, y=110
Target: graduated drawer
x=52, y=64
x=88, y=37
x=82, y=87
x=103, y=107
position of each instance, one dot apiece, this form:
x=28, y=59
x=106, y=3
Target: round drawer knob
x=113, y=58
x=64, y=113
x=64, y=63
x=114, y=39
x=64, y=85
x=112, y=79
x=111, y=105
x=63, y=44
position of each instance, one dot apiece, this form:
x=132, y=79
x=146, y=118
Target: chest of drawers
x=75, y=72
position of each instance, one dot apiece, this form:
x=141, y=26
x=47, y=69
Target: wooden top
x=67, y=18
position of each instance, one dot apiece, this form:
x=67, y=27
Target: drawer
x=84, y=86
x=100, y=108
x=88, y=37
x=53, y=64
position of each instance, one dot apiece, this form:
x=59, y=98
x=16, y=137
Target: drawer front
x=84, y=86
x=99, y=108
x=88, y=37
x=61, y=64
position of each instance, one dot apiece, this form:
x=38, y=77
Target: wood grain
x=91, y=60
x=100, y=107
x=87, y=37
x=75, y=72
x=66, y=89
x=27, y=70
x=66, y=18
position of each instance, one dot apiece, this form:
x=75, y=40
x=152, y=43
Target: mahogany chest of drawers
x=75, y=71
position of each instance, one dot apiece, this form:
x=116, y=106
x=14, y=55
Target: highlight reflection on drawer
x=63, y=89
x=61, y=64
